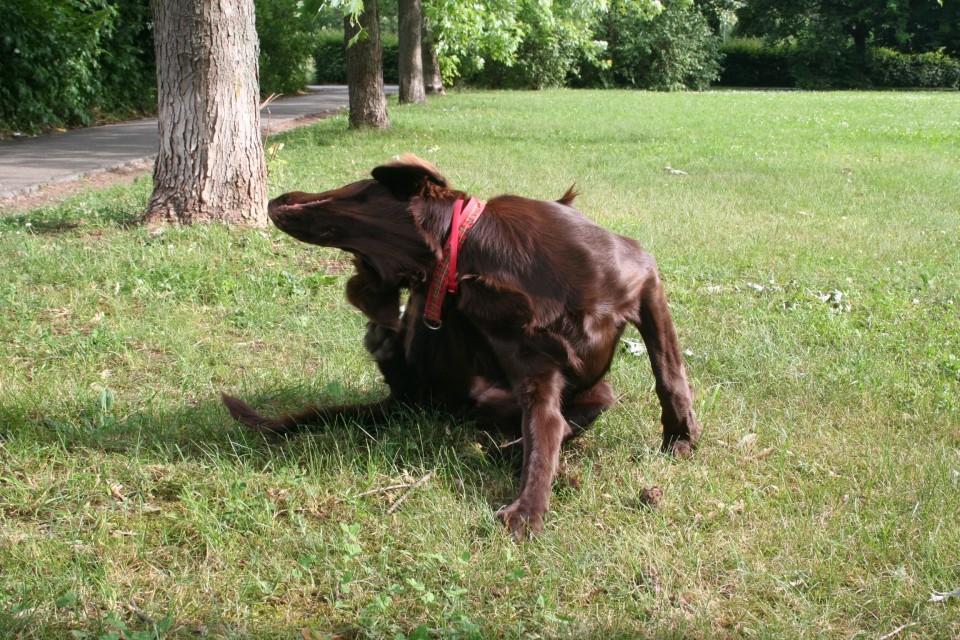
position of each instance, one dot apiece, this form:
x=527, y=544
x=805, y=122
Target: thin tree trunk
x=210, y=165
x=410, y=19
x=432, y=79
x=368, y=104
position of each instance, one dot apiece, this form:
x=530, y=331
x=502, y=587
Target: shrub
x=287, y=35
x=889, y=68
x=51, y=52
x=674, y=50
x=552, y=40
x=828, y=60
x=128, y=74
x=752, y=63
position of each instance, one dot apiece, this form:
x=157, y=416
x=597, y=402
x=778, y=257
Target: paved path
x=29, y=163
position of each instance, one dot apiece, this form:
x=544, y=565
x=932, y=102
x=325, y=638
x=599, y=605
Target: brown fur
x=545, y=295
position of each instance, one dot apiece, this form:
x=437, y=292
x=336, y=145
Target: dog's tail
x=568, y=197
x=312, y=416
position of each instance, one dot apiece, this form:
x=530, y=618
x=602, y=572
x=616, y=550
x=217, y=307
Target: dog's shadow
x=406, y=446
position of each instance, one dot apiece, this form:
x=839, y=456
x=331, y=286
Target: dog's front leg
x=379, y=301
x=386, y=345
x=544, y=428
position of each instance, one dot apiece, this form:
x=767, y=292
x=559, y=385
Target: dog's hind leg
x=583, y=409
x=680, y=427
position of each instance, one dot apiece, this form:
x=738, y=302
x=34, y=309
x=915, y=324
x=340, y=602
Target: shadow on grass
x=409, y=442
x=116, y=207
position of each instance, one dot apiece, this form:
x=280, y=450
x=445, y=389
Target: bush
x=674, y=50
x=72, y=63
x=751, y=63
x=889, y=68
x=329, y=56
x=66, y=64
x=828, y=60
x=550, y=47
x=128, y=75
x=286, y=35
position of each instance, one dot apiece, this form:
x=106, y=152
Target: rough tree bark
x=410, y=20
x=368, y=104
x=432, y=79
x=210, y=165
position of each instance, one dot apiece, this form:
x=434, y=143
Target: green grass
x=823, y=501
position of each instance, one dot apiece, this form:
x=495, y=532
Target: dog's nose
x=275, y=208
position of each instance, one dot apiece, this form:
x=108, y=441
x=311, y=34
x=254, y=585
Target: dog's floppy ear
x=409, y=176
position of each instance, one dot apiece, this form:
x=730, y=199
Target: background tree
x=432, y=78
x=211, y=164
x=368, y=103
x=409, y=28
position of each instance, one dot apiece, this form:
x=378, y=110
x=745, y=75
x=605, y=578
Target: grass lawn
x=811, y=253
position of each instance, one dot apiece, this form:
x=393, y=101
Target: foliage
x=753, y=63
x=833, y=37
x=468, y=35
x=330, y=61
x=930, y=27
x=555, y=36
x=70, y=63
x=287, y=31
x=889, y=68
x=672, y=50
x=828, y=59
x=811, y=258
x=52, y=54
x=127, y=73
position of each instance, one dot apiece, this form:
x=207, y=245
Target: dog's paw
x=681, y=441
x=381, y=342
x=679, y=447
x=522, y=520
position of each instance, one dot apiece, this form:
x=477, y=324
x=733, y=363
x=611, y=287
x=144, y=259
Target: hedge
x=889, y=68
x=752, y=63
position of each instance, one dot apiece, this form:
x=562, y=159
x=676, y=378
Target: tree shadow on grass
x=119, y=206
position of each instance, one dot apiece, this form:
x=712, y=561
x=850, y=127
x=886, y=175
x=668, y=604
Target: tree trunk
x=860, y=31
x=432, y=79
x=410, y=19
x=210, y=165
x=368, y=104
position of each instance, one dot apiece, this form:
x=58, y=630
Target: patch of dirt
x=125, y=174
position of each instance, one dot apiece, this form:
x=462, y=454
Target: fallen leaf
x=116, y=494
x=747, y=440
x=944, y=596
x=763, y=455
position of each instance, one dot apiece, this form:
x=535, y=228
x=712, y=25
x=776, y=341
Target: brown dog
x=543, y=297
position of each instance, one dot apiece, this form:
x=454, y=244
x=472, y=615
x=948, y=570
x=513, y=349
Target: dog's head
x=380, y=221
x=392, y=225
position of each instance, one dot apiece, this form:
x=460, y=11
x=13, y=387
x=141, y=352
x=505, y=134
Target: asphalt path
x=28, y=163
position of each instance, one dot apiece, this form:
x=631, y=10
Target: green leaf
x=68, y=599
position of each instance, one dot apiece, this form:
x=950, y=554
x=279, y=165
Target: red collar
x=445, y=275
